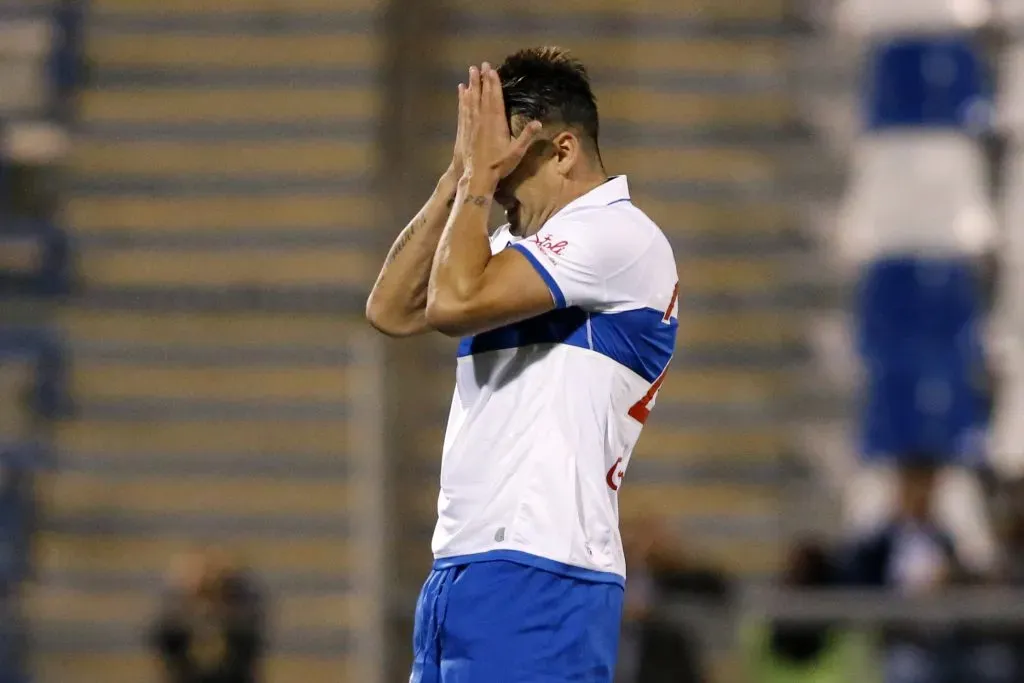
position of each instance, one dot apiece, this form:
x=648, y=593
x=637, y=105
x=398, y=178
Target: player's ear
x=567, y=150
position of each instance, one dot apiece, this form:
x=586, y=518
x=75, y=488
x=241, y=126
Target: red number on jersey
x=671, y=304
x=641, y=410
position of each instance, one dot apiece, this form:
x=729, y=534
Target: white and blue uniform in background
x=529, y=569
x=918, y=214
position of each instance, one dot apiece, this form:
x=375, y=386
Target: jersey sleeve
x=576, y=259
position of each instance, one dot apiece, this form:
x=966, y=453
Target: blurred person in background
x=210, y=629
x=912, y=553
x=655, y=649
x=781, y=652
x=994, y=653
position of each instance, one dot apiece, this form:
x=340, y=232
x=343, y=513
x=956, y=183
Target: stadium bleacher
x=218, y=199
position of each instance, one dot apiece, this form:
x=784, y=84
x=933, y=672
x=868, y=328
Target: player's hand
x=462, y=132
x=491, y=152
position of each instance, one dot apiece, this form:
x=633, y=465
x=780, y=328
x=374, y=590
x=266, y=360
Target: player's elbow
x=447, y=316
x=387, y=321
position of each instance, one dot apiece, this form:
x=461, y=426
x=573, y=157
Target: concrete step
x=176, y=329
x=642, y=107
x=298, y=51
x=47, y=606
x=746, y=329
x=217, y=7
x=739, y=217
x=212, y=158
x=149, y=582
x=249, y=268
x=209, y=185
x=315, y=555
x=103, y=380
x=703, y=10
x=723, y=164
x=326, y=438
x=221, y=213
x=209, y=464
x=734, y=275
x=241, y=105
x=721, y=385
x=708, y=55
x=71, y=494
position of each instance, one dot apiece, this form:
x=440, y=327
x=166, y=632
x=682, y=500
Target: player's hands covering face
x=462, y=135
x=490, y=151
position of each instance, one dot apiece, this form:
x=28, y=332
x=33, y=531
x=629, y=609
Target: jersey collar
x=615, y=189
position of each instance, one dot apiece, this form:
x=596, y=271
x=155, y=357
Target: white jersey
x=546, y=411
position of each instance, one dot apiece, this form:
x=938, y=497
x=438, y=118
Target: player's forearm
x=398, y=300
x=462, y=254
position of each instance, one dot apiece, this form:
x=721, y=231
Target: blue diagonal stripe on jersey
x=560, y=326
x=637, y=339
x=556, y=291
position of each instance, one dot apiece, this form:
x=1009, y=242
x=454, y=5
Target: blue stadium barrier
x=49, y=397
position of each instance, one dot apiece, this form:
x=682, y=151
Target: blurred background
x=211, y=470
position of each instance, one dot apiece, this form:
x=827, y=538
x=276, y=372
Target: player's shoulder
x=618, y=222
x=640, y=226
x=621, y=231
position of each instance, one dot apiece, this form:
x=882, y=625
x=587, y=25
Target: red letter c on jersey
x=614, y=476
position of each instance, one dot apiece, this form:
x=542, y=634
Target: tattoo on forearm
x=477, y=199
x=404, y=239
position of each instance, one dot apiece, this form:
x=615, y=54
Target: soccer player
x=568, y=320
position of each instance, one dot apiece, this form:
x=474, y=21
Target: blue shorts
x=502, y=622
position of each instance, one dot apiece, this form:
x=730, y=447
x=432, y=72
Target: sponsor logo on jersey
x=548, y=245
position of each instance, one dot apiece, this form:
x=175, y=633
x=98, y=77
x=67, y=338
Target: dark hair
x=547, y=84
